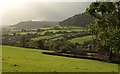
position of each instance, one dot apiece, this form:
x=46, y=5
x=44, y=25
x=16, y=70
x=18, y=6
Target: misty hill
x=77, y=20
x=33, y=24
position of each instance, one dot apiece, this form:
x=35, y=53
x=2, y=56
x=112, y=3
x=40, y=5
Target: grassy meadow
x=81, y=40
x=46, y=37
x=16, y=59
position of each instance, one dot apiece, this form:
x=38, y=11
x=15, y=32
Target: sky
x=15, y=12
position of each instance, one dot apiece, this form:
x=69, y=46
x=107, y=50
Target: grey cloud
x=55, y=11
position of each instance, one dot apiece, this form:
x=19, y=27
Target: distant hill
x=77, y=20
x=32, y=24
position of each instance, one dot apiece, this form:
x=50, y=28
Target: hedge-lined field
x=47, y=37
x=81, y=40
x=32, y=60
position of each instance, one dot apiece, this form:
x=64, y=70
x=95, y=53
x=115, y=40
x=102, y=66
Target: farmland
x=47, y=37
x=16, y=59
x=81, y=40
x=88, y=41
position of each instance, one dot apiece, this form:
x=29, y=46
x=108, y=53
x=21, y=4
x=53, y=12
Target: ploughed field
x=16, y=59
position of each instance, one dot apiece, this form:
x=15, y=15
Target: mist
x=41, y=11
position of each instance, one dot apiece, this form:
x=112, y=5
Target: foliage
x=24, y=40
x=41, y=43
x=106, y=25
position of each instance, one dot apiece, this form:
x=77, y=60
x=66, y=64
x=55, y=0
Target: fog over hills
x=41, y=11
x=33, y=24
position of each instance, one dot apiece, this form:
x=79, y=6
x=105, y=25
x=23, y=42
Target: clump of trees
x=106, y=26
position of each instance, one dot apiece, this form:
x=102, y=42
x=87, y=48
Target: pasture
x=81, y=40
x=55, y=31
x=23, y=33
x=46, y=37
x=17, y=59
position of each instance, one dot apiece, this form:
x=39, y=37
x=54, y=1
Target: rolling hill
x=77, y=20
x=33, y=24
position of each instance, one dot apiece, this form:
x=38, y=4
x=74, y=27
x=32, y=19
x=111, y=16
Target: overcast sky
x=41, y=11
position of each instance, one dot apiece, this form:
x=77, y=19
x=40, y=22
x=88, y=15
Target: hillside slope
x=33, y=24
x=77, y=20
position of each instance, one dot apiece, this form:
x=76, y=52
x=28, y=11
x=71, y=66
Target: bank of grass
x=81, y=40
x=16, y=59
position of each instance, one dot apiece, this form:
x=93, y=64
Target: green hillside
x=77, y=20
x=16, y=59
x=33, y=24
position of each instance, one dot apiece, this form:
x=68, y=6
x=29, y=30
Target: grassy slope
x=46, y=37
x=81, y=40
x=30, y=60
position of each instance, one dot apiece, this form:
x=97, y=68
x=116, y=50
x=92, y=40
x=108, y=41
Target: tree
x=38, y=30
x=24, y=40
x=41, y=43
x=106, y=25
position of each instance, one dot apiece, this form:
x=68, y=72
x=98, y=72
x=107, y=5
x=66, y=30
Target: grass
x=73, y=27
x=119, y=68
x=44, y=28
x=16, y=59
x=0, y=59
x=22, y=33
x=46, y=37
x=61, y=37
x=47, y=28
x=81, y=40
x=54, y=31
x=42, y=33
x=79, y=30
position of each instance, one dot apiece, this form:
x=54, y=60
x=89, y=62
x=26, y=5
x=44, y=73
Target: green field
x=81, y=40
x=46, y=37
x=16, y=59
x=23, y=33
x=54, y=31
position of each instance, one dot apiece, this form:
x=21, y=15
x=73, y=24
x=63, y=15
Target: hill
x=16, y=59
x=33, y=24
x=77, y=20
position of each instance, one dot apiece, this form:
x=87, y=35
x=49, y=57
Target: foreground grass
x=17, y=59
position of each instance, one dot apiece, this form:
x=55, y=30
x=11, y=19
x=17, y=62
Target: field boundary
x=72, y=56
x=79, y=57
